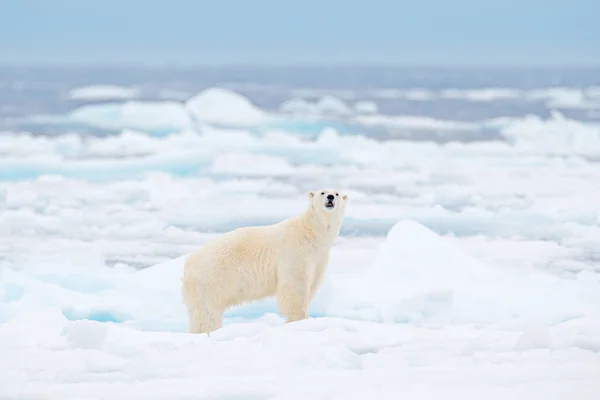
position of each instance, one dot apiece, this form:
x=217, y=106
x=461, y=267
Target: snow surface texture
x=224, y=107
x=555, y=97
x=464, y=270
x=214, y=105
x=134, y=115
x=389, y=321
x=326, y=105
x=103, y=92
x=365, y=107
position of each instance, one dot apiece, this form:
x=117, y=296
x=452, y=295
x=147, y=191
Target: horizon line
x=307, y=65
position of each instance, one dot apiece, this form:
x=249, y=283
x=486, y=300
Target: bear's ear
x=345, y=197
x=311, y=195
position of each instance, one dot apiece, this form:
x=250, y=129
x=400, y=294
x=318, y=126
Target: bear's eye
x=322, y=193
x=337, y=194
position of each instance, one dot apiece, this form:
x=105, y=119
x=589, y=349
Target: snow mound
x=245, y=164
x=408, y=94
x=420, y=276
x=333, y=105
x=225, y=107
x=365, y=107
x=556, y=135
x=326, y=105
x=481, y=95
x=78, y=327
x=415, y=122
x=297, y=106
x=86, y=334
x=103, y=92
x=565, y=98
x=534, y=336
x=416, y=276
x=143, y=115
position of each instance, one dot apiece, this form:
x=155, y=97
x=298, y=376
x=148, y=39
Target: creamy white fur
x=286, y=260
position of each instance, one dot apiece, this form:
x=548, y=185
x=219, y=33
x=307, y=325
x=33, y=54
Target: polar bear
x=286, y=260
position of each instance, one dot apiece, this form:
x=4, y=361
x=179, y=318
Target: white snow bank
x=297, y=106
x=215, y=106
x=419, y=276
x=226, y=107
x=365, y=107
x=142, y=115
x=103, y=92
x=566, y=97
x=486, y=94
x=332, y=105
x=326, y=105
x=415, y=122
x=245, y=164
x=408, y=94
x=481, y=95
x=561, y=97
x=556, y=135
x=116, y=331
x=336, y=359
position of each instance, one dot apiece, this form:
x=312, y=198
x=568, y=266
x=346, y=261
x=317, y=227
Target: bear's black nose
x=330, y=197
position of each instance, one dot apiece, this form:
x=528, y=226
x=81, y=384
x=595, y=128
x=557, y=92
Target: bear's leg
x=198, y=321
x=205, y=319
x=292, y=298
x=314, y=286
x=204, y=315
x=216, y=319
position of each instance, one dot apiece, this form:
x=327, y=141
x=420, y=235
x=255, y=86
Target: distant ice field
x=468, y=264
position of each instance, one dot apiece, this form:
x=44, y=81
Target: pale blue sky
x=197, y=32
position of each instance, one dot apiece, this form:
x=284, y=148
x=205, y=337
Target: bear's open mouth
x=329, y=204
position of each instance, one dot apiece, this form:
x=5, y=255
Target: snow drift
x=421, y=306
x=104, y=92
x=140, y=115
x=212, y=106
x=225, y=107
x=556, y=135
x=326, y=106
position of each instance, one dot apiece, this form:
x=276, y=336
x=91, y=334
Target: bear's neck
x=328, y=224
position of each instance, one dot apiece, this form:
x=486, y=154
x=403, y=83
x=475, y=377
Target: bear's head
x=328, y=201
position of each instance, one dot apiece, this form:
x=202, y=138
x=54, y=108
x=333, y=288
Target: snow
x=212, y=106
x=408, y=94
x=326, y=105
x=225, y=107
x=133, y=115
x=463, y=271
x=297, y=106
x=419, y=277
x=556, y=135
x=104, y=92
x=560, y=97
x=365, y=107
x=417, y=307
x=86, y=334
x=481, y=95
x=332, y=105
x=566, y=98
x=252, y=165
x=414, y=122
